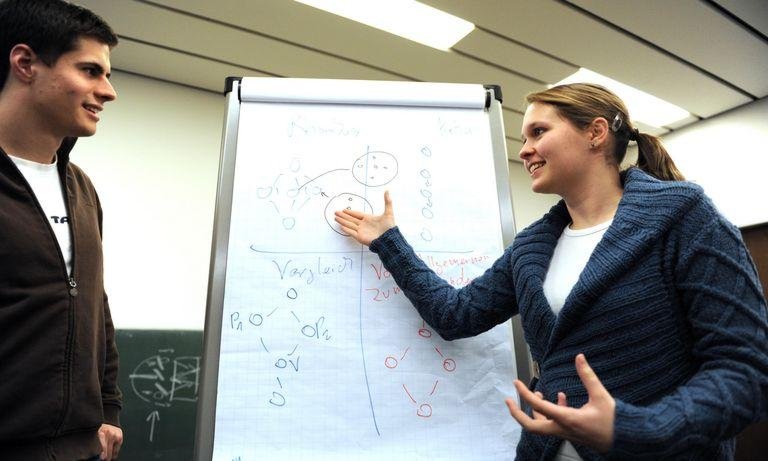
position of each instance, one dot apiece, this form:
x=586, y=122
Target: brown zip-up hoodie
x=58, y=360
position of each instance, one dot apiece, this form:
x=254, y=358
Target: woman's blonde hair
x=581, y=103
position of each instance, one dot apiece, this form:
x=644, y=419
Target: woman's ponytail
x=653, y=158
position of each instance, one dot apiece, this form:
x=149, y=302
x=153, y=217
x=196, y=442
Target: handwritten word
x=441, y=265
x=314, y=331
x=380, y=272
x=460, y=280
x=380, y=295
x=305, y=127
x=293, y=269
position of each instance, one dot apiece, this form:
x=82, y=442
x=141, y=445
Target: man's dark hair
x=50, y=27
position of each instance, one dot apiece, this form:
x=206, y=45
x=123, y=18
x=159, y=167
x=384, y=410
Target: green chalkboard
x=159, y=377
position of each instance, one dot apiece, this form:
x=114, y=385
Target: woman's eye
x=538, y=131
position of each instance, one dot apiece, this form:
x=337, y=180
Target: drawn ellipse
x=345, y=201
x=376, y=168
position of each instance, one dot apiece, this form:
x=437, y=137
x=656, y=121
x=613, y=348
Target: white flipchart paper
x=322, y=356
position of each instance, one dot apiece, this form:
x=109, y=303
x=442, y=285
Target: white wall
x=728, y=156
x=154, y=162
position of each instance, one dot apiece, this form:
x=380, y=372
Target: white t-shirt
x=574, y=247
x=46, y=184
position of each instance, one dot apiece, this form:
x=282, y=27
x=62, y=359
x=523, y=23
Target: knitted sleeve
x=726, y=312
x=454, y=313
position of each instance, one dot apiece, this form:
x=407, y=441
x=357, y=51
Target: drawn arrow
x=154, y=416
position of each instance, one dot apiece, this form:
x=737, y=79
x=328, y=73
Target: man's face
x=70, y=94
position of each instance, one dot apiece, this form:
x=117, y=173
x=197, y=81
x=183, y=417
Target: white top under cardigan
x=574, y=247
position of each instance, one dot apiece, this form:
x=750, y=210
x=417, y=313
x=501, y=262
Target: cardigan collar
x=647, y=210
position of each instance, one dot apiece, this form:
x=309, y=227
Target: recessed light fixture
x=405, y=18
x=643, y=107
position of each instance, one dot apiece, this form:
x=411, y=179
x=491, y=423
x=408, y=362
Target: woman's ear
x=22, y=59
x=597, y=132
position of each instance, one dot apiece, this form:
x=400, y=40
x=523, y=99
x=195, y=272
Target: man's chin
x=83, y=132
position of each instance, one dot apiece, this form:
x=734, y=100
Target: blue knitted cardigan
x=668, y=311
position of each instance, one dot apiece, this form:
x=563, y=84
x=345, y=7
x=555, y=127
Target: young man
x=58, y=362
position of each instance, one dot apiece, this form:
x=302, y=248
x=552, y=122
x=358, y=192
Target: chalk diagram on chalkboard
x=375, y=168
x=162, y=379
x=423, y=408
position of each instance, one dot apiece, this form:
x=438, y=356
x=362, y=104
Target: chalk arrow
x=152, y=417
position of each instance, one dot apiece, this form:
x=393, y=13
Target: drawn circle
x=390, y=362
x=292, y=293
x=424, y=411
x=256, y=319
x=375, y=168
x=345, y=201
x=149, y=382
x=309, y=331
x=289, y=223
x=449, y=365
x=426, y=235
x=424, y=333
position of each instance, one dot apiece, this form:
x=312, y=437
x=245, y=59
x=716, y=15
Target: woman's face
x=554, y=150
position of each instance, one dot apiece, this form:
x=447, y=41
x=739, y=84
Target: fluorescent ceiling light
x=642, y=106
x=406, y=18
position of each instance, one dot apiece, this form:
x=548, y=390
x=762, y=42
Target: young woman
x=635, y=270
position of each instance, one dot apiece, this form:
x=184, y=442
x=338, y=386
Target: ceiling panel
x=538, y=67
x=684, y=28
x=189, y=34
x=753, y=12
x=177, y=68
x=561, y=30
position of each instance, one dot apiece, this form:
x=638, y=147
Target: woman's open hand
x=590, y=425
x=363, y=227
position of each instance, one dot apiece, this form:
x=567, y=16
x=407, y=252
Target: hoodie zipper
x=72, y=295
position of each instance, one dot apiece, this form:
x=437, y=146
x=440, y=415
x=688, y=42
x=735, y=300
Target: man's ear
x=22, y=59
